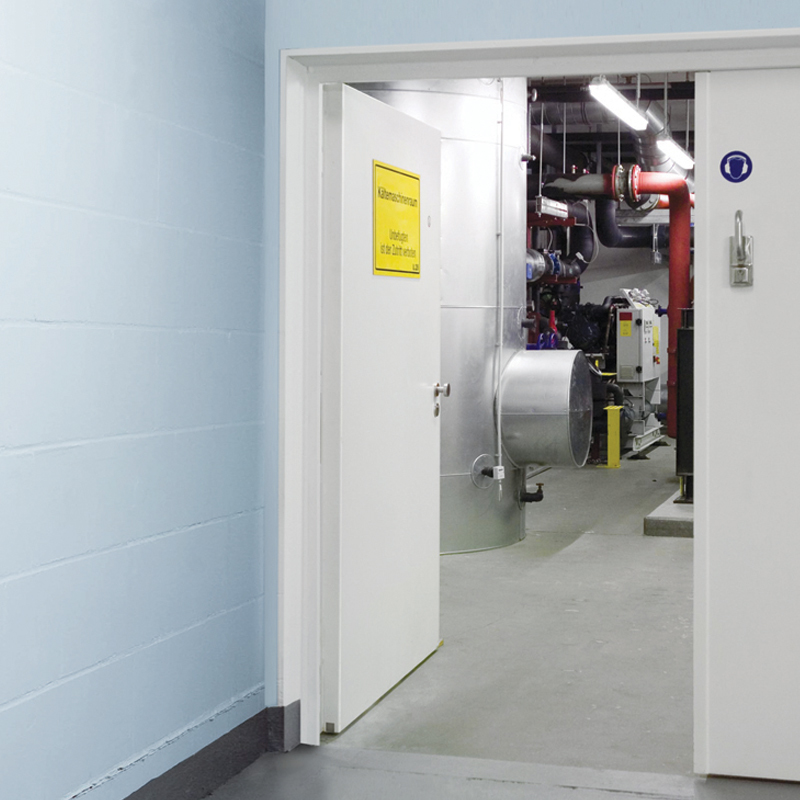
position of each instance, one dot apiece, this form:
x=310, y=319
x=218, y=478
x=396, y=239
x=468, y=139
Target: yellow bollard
x=612, y=437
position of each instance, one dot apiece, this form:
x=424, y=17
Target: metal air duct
x=547, y=408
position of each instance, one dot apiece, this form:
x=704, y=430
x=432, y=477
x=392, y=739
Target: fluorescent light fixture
x=671, y=149
x=617, y=104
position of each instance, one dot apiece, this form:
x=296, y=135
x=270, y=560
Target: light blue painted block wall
x=349, y=23
x=131, y=414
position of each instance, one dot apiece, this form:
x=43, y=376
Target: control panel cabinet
x=639, y=367
x=638, y=345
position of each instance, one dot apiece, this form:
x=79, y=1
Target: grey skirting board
x=271, y=730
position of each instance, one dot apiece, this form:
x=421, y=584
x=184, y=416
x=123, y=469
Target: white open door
x=747, y=677
x=380, y=434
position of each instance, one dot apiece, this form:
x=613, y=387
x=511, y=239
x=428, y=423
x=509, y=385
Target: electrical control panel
x=638, y=344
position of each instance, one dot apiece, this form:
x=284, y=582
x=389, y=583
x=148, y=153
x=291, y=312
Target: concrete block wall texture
x=131, y=409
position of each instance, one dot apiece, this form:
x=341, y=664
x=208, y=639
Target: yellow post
x=612, y=438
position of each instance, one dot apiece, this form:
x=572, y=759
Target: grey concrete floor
x=573, y=647
x=328, y=773
x=565, y=672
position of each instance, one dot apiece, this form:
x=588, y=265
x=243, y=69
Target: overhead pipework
x=634, y=123
x=630, y=183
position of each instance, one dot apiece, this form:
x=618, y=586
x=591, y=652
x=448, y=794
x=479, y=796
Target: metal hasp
x=684, y=450
x=547, y=408
x=741, y=254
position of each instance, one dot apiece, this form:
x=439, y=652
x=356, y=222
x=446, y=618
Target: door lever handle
x=441, y=389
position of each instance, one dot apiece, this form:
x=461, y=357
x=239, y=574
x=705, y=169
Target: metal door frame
x=302, y=74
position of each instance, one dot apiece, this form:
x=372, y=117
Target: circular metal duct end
x=547, y=408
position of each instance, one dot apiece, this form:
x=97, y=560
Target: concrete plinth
x=671, y=519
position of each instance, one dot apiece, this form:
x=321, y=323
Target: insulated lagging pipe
x=613, y=235
x=633, y=183
x=615, y=391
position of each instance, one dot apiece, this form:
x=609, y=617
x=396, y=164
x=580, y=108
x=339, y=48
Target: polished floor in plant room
x=566, y=669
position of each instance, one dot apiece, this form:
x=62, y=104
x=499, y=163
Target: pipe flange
x=634, y=173
x=618, y=181
x=478, y=478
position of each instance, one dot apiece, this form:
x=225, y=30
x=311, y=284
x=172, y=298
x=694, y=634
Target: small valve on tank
x=533, y=497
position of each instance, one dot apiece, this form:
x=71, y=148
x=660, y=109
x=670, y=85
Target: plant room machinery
x=565, y=285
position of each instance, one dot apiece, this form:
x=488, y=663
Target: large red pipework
x=663, y=200
x=680, y=293
x=632, y=183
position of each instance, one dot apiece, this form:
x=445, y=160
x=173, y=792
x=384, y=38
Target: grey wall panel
x=469, y=223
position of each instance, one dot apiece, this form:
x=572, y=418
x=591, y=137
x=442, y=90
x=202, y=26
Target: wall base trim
x=275, y=729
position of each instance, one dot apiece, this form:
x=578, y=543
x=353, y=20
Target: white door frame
x=302, y=74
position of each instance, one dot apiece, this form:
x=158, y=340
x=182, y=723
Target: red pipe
x=663, y=201
x=632, y=182
x=680, y=293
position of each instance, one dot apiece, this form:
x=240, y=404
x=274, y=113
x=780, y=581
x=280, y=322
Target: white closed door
x=747, y=535
x=380, y=433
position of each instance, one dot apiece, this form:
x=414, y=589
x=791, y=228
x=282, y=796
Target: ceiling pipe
x=576, y=92
x=553, y=153
x=631, y=183
x=591, y=185
x=613, y=235
x=648, y=153
x=646, y=150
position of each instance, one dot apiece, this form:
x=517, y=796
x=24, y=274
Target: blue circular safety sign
x=736, y=166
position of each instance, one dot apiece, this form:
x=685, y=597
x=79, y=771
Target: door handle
x=442, y=389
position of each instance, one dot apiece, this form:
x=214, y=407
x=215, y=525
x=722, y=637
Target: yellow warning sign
x=625, y=327
x=655, y=337
x=396, y=221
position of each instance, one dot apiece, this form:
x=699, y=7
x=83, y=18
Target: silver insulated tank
x=474, y=117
